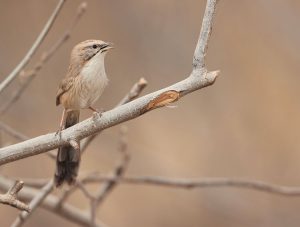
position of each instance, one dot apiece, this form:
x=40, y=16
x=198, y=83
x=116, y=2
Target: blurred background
x=246, y=125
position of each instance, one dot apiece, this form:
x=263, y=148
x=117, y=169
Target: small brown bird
x=80, y=89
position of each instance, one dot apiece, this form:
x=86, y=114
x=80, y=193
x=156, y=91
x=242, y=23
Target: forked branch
x=10, y=198
x=199, y=78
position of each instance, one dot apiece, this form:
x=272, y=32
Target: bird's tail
x=68, y=158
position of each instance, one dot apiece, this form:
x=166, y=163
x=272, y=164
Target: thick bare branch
x=10, y=198
x=108, y=119
x=33, y=48
x=198, y=79
x=134, y=92
x=28, y=75
x=19, y=136
x=35, y=202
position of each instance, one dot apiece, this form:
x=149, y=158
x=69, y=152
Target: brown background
x=246, y=125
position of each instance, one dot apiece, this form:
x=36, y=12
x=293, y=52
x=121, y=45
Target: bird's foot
x=58, y=132
x=97, y=114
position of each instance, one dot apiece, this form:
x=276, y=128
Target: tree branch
x=118, y=172
x=33, y=49
x=66, y=211
x=133, y=93
x=108, y=119
x=119, y=169
x=10, y=198
x=35, y=202
x=201, y=48
x=19, y=136
x=184, y=183
x=9, y=130
x=28, y=75
x=197, y=183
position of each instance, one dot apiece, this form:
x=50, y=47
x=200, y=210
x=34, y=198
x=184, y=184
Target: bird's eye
x=94, y=46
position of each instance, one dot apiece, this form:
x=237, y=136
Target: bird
x=81, y=87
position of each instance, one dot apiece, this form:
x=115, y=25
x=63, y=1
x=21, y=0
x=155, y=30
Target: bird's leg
x=96, y=113
x=62, y=123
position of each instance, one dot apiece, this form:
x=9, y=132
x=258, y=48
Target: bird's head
x=86, y=50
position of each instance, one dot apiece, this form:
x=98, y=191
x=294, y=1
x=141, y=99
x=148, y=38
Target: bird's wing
x=64, y=86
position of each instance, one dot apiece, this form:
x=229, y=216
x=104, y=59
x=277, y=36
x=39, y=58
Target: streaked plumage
x=83, y=84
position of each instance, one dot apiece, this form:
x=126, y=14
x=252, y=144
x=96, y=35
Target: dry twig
x=118, y=172
x=28, y=75
x=14, y=133
x=33, y=48
x=196, y=183
x=183, y=183
x=66, y=211
x=134, y=92
x=10, y=198
x=35, y=202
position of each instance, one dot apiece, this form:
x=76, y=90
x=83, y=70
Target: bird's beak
x=110, y=46
x=107, y=46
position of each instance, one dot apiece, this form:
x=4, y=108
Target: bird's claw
x=58, y=132
x=97, y=114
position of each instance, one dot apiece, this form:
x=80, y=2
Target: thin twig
x=28, y=75
x=65, y=195
x=85, y=192
x=35, y=202
x=118, y=172
x=35, y=182
x=134, y=92
x=14, y=133
x=197, y=183
x=33, y=48
x=10, y=198
x=207, y=24
x=185, y=183
x=119, y=169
